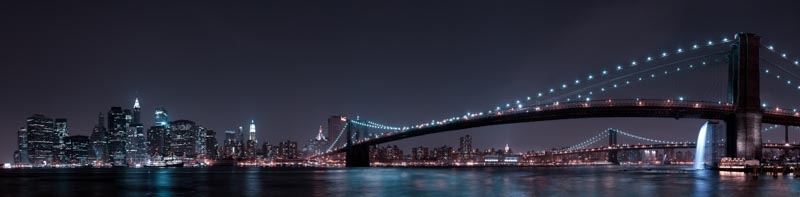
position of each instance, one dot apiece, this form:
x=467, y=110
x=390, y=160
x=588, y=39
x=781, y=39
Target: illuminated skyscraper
x=162, y=118
x=62, y=131
x=117, y=135
x=41, y=134
x=336, y=124
x=136, y=145
x=98, y=150
x=157, y=141
x=76, y=149
x=252, y=131
x=21, y=155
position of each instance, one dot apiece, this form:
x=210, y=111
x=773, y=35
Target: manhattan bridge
x=741, y=109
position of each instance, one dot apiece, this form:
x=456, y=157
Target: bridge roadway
x=657, y=108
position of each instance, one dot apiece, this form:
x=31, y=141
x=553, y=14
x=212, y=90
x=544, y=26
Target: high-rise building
x=136, y=144
x=336, y=124
x=62, y=131
x=182, y=134
x=315, y=145
x=98, y=150
x=76, y=149
x=41, y=135
x=252, y=131
x=210, y=145
x=162, y=118
x=157, y=141
x=229, y=146
x=465, y=147
x=21, y=155
x=137, y=112
x=118, y=122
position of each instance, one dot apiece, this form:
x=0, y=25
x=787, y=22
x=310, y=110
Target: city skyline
x=327, y=65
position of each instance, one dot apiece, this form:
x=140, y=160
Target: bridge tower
x=612, y=141
x=744, y=126
x=355, y=155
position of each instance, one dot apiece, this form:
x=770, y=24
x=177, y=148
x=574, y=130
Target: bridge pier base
x=744, y=136
x=357, y=156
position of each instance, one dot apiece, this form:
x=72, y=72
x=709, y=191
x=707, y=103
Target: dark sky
x=289, y=65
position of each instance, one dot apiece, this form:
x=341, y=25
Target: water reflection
x=573, y=181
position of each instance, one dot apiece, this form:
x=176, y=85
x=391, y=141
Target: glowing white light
x=725, y=40
x=649, y=59
x=796, y=62
x=633, y=63
x=771, y=48
x=783, y=55
x=615, y=85
x=710, y=43
x=695, y=46
x=619, y=67
x=529, y=98
x=539, y=95
x=590, y=77
x=664, y=54
x=680, y=98
x=652, y=75
x=577, y=81
x=563, y=85
x=551, y=90
x=602, y=89
x=680, y=50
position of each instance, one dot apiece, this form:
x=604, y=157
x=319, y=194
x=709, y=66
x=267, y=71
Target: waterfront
x=490, y=181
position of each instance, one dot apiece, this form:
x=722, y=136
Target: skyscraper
x=182, y=134
x=335, y=125
x=229, y=148
x=137, y=112
x=62, y=131
x=252, y=131
x=21, y=155
x=157, y=141
x=76, y=149
x=98, y=151
x=136, y=145
x=465, y=147
x=162, y=118
x=41, y=135
x=117, y=129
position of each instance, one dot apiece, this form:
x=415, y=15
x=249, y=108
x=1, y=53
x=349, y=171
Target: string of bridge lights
x=590, y=141
x=338, y=136
x=644, y=138
x=789, y=83
x=618, y=68
x=519, y=103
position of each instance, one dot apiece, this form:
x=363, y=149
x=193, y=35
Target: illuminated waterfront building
x=21, y=154
x=98, y=150
x=117, y=137
x=41, y=135
x=157, y=143
x=76, y=149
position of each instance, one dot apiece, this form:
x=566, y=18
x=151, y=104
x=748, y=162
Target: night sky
x=290, y=65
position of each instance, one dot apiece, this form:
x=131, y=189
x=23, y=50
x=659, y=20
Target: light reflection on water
x=554, y=181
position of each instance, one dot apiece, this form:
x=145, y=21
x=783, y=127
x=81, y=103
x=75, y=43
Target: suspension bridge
x=742, y=109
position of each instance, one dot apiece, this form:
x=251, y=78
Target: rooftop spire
x=136, y=103
x=320, y=137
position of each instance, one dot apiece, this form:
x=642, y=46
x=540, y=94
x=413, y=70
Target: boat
x=173, y=161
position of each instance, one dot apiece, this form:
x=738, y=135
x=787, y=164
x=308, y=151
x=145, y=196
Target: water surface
x=506, y=181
